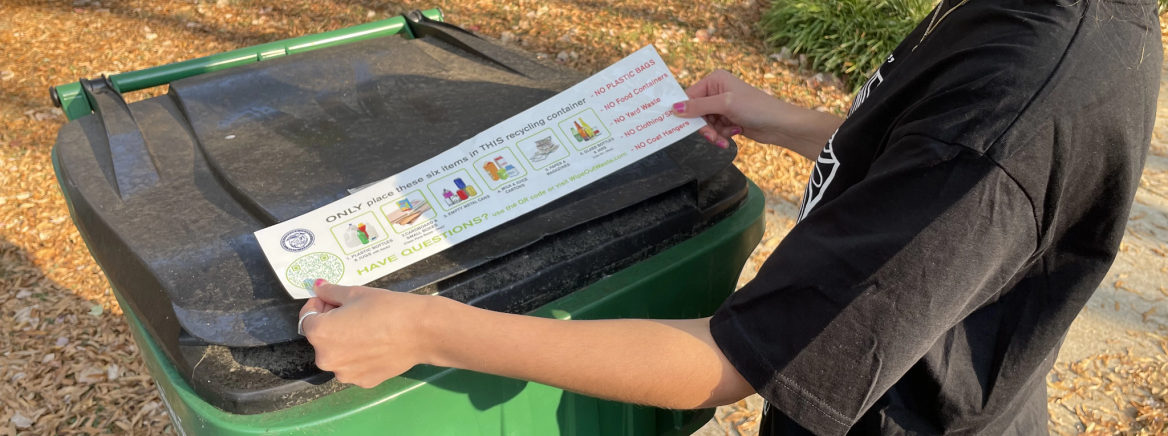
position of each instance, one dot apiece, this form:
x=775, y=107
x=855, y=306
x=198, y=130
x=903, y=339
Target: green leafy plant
x=846, y=37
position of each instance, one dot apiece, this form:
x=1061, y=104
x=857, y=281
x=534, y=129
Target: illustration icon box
x=542, y=148
x=348, y=233
x=598, y=130
x=447, y=184
x=508, y=156
x=420, y=211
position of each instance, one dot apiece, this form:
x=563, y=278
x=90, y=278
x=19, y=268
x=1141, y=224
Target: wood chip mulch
x=1113, y=393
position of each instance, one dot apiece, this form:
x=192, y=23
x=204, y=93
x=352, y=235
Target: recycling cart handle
x=72, y=99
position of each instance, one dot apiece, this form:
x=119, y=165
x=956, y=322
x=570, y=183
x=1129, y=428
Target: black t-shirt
x=955, y=225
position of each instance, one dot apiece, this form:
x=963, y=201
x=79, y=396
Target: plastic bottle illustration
x=370, y=231
x=351, y=238
x=449, y=196
x=362, y=235
x=491, y=170
x=511, y=170
x=587, y=128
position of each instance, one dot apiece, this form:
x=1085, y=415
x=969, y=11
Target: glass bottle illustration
x=511, y=170
x=579, y=133
x=588, y=129
x=491, y=170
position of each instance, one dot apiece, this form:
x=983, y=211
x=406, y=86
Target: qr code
x=305, y=270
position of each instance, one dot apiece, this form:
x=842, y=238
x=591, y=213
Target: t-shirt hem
x=784, y=394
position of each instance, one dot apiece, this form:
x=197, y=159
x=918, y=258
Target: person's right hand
x=731, y=107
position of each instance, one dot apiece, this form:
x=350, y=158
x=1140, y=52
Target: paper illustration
x=602, y=124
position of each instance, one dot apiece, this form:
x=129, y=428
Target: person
x=952, y=228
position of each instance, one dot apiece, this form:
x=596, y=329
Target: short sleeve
x=868, y=282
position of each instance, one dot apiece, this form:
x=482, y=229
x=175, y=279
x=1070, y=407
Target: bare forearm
x=673, y=364
x=803, y=130
x=732, y=107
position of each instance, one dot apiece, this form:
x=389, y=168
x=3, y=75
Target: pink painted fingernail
x=709, y=137
x=679, y=107
x=318, y=282
x=735, y=131
x=722, y=143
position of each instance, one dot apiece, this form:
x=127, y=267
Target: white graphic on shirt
x=826, y=165
x=818, y=182
x=866, y=90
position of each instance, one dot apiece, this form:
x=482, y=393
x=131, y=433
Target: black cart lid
x=241, y=149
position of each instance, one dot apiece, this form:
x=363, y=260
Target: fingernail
x=722, y=143
x=679, y=107
x=318, y=282
x=709, y=137
x=735, y=131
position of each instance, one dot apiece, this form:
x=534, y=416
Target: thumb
x=712, y=105
x=313, y=305
x=335, y=295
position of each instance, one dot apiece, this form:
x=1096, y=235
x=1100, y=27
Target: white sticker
x=608, y=121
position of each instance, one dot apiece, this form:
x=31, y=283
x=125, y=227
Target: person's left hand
x=364, y=335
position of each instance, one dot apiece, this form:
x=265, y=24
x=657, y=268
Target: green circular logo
x=312, y=266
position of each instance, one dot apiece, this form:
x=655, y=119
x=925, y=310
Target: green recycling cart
x=440, y=401
x=664, y=238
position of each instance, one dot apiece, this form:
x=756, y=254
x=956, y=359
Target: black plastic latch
x=134, y=167
x=421, y=26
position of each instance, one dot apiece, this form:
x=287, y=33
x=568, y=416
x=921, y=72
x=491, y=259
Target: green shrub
x=846, y=37
x=1163, y=6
